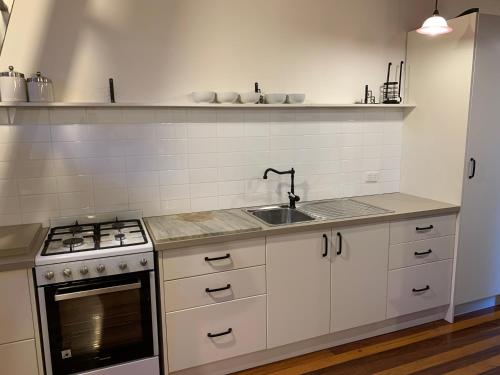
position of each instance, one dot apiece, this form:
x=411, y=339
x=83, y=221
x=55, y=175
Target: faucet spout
x=291, y=194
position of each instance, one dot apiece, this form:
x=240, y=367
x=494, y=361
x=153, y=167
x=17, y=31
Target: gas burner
x=120, y=236
x=118, y=224
x=73, y=242
x=77, y=228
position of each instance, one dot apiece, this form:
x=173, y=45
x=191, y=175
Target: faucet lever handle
x=296, y=198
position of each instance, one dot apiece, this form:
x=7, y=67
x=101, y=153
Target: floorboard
x=469, y=346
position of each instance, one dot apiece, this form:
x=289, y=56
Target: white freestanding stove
x=96, y=293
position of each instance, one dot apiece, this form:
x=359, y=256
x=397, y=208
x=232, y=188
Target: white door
x=298, y=287
x=478, y=258
x=359, y=275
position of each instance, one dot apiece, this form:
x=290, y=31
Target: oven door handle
x=97, y=292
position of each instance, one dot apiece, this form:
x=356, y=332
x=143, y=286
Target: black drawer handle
x=227, y=256
x=208, y=290
x=423, y=253
x=427, y=287
x=421, y=229
x=212, y=335
x=325, y=254
x=339, y=251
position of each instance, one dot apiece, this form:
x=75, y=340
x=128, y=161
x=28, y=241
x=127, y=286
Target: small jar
x=12, y=86
x=40, y=89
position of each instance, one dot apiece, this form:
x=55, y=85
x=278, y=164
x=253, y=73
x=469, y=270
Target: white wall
x=161, y=50
x=68, y=162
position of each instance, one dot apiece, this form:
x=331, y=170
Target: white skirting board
x=319, y=343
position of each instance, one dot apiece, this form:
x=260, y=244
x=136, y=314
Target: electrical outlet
x=371, y=177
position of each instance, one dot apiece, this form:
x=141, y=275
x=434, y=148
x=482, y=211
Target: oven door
x=100, y=322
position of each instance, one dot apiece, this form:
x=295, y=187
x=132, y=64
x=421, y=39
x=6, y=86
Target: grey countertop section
x=172, y=231
x=19, y=244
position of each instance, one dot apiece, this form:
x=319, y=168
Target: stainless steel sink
x=279, y=215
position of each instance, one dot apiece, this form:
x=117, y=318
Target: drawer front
x=434, y=281
x=192, y=291
x=201, y=260
x=421, y=252
x=16, y=319
x=421, y=229
x=18, y=358
x=241, y=325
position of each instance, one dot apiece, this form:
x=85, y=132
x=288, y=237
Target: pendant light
x=435, y=25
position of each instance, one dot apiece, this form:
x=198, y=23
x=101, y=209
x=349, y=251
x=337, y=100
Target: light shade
x=435, y=25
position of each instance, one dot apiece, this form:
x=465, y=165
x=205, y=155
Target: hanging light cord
x=436, y=11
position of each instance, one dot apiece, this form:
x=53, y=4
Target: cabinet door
x=18, y=358
x=359, y=276
x=478, y=259
x=16, y=320
x=298, y=287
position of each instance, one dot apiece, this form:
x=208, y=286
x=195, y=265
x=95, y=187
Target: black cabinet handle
x=208, y=290
x=211, y=335
x=325, y=254
x=421, y=229
x=227, y=256
x=427, y=287
x=472, y=168
x=423, y=253
x=339, y=251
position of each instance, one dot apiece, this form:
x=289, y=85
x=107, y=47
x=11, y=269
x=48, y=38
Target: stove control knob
x=123, y=266
x=101, y=268
x=67, y=272
x=144, y=262
x=49, y=275
x=84, y=270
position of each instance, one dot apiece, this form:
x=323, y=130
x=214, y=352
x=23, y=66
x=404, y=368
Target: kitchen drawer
x=421, y=229
x=18, y=358
x=402, y=295
x=197, y=260
x=421, y=252
x=16, y=319
x=187, y=332
x=191, y=292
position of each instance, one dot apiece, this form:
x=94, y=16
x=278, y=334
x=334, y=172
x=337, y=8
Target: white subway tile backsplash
x=41, y=185
x=176, y=160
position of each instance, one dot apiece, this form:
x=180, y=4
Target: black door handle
x=472, y=168
x=227, y=256
x=421, y=229
x=423, y=253
x=325, y=254
x=208, y=290
x=211, y=335
x=339, y=251
x=427, y=287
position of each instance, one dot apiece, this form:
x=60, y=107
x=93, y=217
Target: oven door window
x=99, y=323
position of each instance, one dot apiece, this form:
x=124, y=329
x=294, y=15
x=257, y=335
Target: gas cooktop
x=93, y=236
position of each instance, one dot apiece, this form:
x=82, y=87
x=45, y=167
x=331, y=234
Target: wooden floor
x=469, y=346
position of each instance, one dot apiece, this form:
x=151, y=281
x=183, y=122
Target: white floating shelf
x=195, y=105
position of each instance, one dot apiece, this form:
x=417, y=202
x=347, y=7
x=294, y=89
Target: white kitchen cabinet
x=211, y=333
x=16, y=319
x=359, y=276
x=19, y=358
x=298, y=287
x=450, y=141
x=419, y=288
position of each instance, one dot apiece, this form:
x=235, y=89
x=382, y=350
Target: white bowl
x=250, y=97
x=275, y=98
x=295, y=98
x=203, y=96
x=227, y=97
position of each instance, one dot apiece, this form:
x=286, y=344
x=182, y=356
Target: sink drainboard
x=341, y=208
